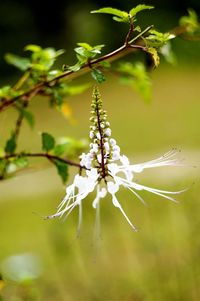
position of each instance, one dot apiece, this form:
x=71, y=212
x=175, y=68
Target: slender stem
x=141, y=34
x=20, y=120
x=22, y=80
x=42, y=155
x=131, y=28
x=101, y=144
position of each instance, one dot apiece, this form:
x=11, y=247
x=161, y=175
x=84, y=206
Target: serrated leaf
x=62, y=169
x=138, y=9
x=19, y=62
x=111, y=11
x=11, y=145
x=98, y=75
x=158, y=39
x=154, y=55
x=48, y=142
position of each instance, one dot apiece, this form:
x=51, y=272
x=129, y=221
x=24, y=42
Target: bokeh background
x=161, y=262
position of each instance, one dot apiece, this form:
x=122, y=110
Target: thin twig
x=123, y=50
x=42, y=155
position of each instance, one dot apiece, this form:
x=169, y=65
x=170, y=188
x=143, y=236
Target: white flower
x=106, y=171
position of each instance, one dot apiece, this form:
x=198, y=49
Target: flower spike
x=107, y=170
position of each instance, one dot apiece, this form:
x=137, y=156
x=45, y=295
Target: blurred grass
x=161, y=262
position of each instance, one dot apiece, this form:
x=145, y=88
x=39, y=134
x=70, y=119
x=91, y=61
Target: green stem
x=140, y=34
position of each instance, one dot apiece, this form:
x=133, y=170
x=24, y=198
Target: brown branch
x=20, y=120
x=42, y=155
x=114, y=55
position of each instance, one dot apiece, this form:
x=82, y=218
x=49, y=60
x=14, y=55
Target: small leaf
x=75, y=89
x=154, y=55
x=28, y=116
x=85, y=45
x=21, y=162
x=119, y=15
x=190, y=22
x=48, y=142
x=5, y=91
x=98, y=75
x=62, y=169
x=19, y=62
x=32, y=48
x=168, y=53
x=75, y=67
x=111, y=11
x=69, y=147
x=139, y=8
x=136, y=77
x=11, y=145
x=105, y=64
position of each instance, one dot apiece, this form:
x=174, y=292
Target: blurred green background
x=161, y=262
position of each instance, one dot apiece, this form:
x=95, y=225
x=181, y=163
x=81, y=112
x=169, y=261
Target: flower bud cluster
x=103, y=148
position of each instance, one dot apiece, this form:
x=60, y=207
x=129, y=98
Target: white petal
x=107, y=132
x=116, y=148
x=107, y=146
x=124, y=160
x=112, y=187
x=112, y=141
x=91, y=135
x=113, y=168
x=118, y=205
x=98, y=135
x=115, y=156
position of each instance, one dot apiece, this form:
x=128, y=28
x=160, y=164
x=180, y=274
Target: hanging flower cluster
x=106, y=170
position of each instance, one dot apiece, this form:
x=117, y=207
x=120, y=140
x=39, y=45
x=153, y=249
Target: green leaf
x=19, y=62
x=5, y=91
x=48, y=142
x=62, y=169
x=98, y=75
x=53, y=73
x=11, y=144
x=111, y=11
x=137, y=78
x=75, y=89
x=105, y=64
x=21, y=162
x=75, y=67
x=168, y=53
x=158, y=39
x=69, y=147
x=85, y=45
x=139, y=8
x=119, y=15
x=154, y=54
x=29, y=117
x=190, y=22
x=32, y=48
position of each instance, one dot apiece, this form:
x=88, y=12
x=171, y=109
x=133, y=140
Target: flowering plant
x=106, y=170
